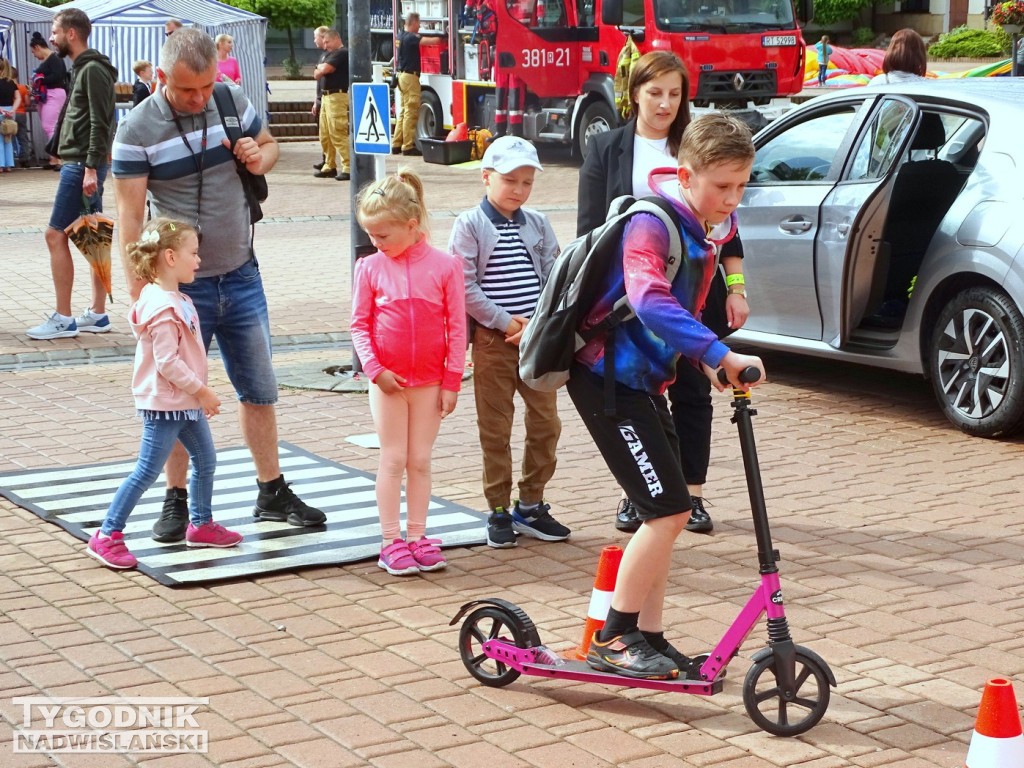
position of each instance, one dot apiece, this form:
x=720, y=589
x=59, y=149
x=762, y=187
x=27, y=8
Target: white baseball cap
x=507, y=153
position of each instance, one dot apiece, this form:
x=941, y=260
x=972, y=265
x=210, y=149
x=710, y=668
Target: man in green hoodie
x=86, y=134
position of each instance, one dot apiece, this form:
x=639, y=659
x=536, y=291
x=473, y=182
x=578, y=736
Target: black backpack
x=553, y=337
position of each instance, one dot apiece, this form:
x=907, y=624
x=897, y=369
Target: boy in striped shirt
x=507, y=253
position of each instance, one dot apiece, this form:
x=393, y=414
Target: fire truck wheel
x=430, y=122
x=597, y=118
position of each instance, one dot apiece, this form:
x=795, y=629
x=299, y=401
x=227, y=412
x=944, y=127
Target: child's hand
x=390, y=382
x=736, y=310
x=209, y=401
x=733, y=363
x=515, y=329
x=446, y=401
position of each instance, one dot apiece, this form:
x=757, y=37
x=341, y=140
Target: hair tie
x=400, y=177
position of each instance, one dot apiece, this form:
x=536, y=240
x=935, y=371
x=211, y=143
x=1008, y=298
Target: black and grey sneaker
x=284, y=506
x=631, y=655
x=538, y=523
x=700, y=520
x=173, y=517
x=626, y=518
x=683, y=662
x=499, y=529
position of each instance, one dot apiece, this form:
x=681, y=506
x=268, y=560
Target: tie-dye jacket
x=667, y=322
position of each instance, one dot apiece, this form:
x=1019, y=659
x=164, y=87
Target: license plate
x=772, y=41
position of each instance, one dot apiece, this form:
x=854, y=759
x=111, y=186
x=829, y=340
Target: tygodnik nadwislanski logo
x=164, y=725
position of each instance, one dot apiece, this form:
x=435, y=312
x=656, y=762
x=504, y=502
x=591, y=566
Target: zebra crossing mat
x=76, y=498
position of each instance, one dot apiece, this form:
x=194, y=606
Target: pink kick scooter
x=786, y=691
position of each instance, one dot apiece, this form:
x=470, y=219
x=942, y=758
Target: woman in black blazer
x=658, y=88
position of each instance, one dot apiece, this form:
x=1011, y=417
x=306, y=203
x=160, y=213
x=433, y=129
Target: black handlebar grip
x=748, y=375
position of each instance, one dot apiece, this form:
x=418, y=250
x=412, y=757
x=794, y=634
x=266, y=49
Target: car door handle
x=795, y=225
x=843, y=229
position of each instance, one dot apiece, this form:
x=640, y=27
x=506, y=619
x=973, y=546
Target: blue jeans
x=233, y=308
x=67, y=203
x=158, y=438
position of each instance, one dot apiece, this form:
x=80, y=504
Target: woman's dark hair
x=38, y=41
x=651, y=66
x=906, y=54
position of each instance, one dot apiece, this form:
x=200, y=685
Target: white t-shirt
x=896, y=76
x=648, y=154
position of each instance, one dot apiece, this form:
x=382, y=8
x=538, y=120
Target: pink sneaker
x=397, y=560
x=111, y=551
x=210, y=535
x=427, y=554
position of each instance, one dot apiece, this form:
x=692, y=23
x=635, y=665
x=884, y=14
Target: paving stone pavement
x=902, y=543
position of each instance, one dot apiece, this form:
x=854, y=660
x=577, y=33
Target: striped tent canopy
x=18, y=20
x=129, y=30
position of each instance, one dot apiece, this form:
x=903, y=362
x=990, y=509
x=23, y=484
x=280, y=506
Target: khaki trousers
x=405, y=123
x=335, y=110
x=325, y=136
x=495, y=383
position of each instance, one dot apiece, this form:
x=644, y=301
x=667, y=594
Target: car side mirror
x=611, y=12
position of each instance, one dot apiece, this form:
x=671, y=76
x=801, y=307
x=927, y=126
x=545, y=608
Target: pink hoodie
x=409, y=316
x=170, y=359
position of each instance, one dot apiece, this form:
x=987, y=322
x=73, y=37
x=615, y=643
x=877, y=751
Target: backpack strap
x=228, y=113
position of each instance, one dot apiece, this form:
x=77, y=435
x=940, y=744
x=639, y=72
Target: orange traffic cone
x=600, y=599
x=998, y=741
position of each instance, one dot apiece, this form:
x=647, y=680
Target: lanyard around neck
x=200, y=162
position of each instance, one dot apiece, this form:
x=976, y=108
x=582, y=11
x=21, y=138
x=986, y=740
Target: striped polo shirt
x=148, y=144
x=510, y=279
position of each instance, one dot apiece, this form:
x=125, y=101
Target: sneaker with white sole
x=55, y=327
x=427, y=554
x=91, y=322
x=397, y=559
x=111, y=551
x=538, y=523
x=211, y=534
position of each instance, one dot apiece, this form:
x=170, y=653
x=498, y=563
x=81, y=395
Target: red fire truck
x=736, y=51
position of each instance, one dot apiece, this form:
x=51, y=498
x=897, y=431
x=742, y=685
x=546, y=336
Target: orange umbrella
x=93, y=233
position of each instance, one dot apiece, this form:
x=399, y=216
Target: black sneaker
x=499, y=529
x=539, y=524
x=700, y=520
x=626, y=518
x=631, y=656
x=173, y=517
x=285, y=506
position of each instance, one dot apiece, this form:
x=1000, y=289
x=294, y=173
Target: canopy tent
x=18, y=20
x=129, y=30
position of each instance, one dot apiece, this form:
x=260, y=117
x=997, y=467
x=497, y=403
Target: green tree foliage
x=289, y=14
x=833, y=11
x=48, y=3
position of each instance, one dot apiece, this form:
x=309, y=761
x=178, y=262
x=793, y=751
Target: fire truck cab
x=565, y=51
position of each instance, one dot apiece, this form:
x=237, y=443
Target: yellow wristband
x=736, y=279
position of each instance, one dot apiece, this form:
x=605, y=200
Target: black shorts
x=639, y=444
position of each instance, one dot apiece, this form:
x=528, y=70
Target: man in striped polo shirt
x=507, y=254
x=172, y=151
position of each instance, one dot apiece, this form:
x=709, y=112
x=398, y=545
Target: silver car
x=885, y=225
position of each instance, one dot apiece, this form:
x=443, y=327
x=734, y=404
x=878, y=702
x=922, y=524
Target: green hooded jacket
x=88, y=128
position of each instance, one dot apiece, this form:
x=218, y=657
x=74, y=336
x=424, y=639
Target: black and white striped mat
x=76, y=499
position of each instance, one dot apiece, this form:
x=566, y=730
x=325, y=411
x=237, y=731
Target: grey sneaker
x=91, y=322
x=54, y=328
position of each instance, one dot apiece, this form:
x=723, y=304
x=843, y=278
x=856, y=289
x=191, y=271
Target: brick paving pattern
x=902, y=544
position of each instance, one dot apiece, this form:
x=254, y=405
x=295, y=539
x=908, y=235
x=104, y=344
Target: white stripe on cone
x=992, y=752
x=600, y=603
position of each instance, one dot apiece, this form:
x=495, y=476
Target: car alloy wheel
x=976, y=362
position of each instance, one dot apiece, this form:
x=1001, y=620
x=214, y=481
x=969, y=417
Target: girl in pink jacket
x=409, y=331
x=169, y=384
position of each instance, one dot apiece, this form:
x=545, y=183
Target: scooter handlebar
x=748, y=375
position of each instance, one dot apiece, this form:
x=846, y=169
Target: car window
x=880, y=145
x=803, y=152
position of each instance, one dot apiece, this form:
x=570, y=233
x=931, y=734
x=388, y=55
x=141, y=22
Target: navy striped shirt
x=510, y=280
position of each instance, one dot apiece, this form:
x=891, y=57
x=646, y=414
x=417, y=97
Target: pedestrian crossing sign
x=372, y=118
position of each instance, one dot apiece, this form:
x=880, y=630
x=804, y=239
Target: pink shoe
x=111, y=551
x=210, y=535
x=427, y=554
x=397, y=559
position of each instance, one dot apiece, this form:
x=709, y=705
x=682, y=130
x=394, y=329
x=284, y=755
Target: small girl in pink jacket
x=169, y=384
x=409, y=331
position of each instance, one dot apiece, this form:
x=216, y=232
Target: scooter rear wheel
x=490, y=623
x=773, y=712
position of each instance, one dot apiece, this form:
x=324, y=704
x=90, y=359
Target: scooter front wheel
x=787, y=715
x=491, y=623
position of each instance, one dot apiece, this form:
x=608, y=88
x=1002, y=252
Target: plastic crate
x=430, y=59
x=446, y=152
